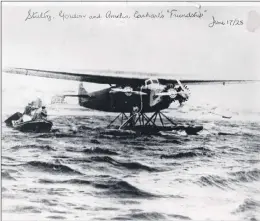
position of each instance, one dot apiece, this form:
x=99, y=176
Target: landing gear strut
x=141, y=122
x=141, y=119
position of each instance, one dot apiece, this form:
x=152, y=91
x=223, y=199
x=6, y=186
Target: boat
x=36, y=126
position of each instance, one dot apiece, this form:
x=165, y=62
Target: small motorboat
x=36, y=126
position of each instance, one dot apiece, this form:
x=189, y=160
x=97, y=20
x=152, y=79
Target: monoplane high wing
x=113, y=77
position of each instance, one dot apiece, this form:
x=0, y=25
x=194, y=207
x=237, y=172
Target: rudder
x=82, y=91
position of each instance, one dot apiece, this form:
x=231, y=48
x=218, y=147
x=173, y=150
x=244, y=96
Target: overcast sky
x=181, y=46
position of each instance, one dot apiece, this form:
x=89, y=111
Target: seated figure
x=44, y=113
x=41, y=113
x=27, y=114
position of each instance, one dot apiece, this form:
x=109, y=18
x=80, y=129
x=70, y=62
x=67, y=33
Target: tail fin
x=83, y=92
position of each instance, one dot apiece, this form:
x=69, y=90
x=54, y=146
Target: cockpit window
x=149, y=82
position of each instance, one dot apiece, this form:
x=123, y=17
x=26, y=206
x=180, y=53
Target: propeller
x=172, y=93
x=127, y=90
x=181, y=95
x=185, y=93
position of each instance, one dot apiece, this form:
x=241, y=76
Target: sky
x=172, y=46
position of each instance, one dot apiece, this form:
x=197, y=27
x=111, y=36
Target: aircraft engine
x=183, y=93
x=180, y=93
x=172, y=93
x=128, y=91
x=169, y=93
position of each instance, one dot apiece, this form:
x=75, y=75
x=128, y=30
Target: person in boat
x=44, y=113
x=28, y=109
x=41, y=113
x=27, y=114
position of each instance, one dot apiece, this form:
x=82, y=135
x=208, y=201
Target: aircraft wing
x=113, y=77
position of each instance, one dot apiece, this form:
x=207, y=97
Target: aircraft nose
x=185, y=92
x=184, y=96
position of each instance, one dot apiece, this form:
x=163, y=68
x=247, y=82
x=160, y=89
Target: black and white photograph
x=130, y=111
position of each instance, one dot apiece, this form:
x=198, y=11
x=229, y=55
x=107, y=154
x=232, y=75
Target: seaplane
x=130, y=94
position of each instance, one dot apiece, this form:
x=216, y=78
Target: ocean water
x=99, y=174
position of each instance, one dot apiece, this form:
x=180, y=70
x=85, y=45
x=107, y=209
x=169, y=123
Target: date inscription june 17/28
x=231, y=22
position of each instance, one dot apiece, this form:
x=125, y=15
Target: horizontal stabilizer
x=76, y=95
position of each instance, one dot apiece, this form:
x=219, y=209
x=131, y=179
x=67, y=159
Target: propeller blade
x=119, y=90
x=182, y=87
x=186, y=92
x=168, y=93
x=139, y=93
x=115, y=90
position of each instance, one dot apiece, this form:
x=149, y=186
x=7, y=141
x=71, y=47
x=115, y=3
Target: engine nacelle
x=128, y=91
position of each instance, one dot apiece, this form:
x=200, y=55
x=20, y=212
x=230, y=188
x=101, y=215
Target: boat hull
x=36, y=126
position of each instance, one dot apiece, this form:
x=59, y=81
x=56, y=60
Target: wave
x=193, y=152
x=26, y=209
x=202, y=149
x=213, y=180
x=127, y=165
x=241, y=134
x=227, y=134
x=71, y=181
x=54, y=217
x=142, y=216
x=93, y=151
x=236, y=177
x=179, y=155
x=124, y=189
x=171, y=141
x=150, y=216
x=110, y=187
x=94, y=141
x=49, y=202
x=6, y=176
x=248, y=205
x=8, y=158
x=42, y=147
x=175, y=216
x=245, y=176
x=51, y=167
x=98, y=150
x=57, y=135
x=199, y=151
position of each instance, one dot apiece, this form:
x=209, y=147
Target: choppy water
x=97, y=174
